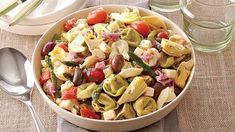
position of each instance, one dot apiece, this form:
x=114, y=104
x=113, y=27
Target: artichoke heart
x=127, y=112
x=77, y=45
x=136, y=88
x=183, y=73
x=92, y=42
x=127, y=17
x=104, y=103
x=144, y=105
x=165, y=96
x=130, y=72
x=84, y=91
x=99, y=29
x=120, y=47
x=114, y=85
x=180, y=40
x=131, y=36
x=155, y=22
x=60, y=69
x=172, y=48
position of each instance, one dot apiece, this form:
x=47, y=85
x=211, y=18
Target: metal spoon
x=16, y=79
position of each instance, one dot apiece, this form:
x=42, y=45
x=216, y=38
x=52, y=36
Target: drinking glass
x=164, y=5
x=208, y=23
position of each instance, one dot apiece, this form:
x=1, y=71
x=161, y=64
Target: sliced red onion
x=100, y=65
x=164, y=80
x=111, y=36
x=75, y=57
x=146, y=56
x=49, y=88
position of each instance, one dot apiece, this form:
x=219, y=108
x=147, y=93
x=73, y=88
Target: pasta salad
x=114, y=66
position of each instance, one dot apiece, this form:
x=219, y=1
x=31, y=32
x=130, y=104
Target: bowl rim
x=168, y=21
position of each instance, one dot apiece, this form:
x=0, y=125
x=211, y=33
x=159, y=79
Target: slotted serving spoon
x=16, y=79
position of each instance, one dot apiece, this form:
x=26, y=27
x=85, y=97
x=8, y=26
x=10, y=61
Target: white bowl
x=102, y=125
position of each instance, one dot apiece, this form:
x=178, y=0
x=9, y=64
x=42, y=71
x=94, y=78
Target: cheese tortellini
x=131, y=36
x=126, y=112
x=136, y=88
x=115, y=85
x=104, y=103
x=84, y=91
x=144, y=105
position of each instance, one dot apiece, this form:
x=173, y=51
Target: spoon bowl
x=16, y=79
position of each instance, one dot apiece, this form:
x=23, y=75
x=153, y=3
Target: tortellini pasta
x=173, y=49
x=131, y=36
x=84, y=91
x=166, y=61
x=136, y=88
x=115, y=85
x=126, y=112
x=104, y=103
x=144, y=105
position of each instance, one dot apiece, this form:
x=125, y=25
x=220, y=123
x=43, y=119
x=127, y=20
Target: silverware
x=22, y=13
x=16, y=79
x=11, y=5
x=25, y=11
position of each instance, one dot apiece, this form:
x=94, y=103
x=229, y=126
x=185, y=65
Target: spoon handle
x=40, y=127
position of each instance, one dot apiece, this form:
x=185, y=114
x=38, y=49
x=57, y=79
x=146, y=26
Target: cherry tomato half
x=69, y=24
x=64, y=47
x=44, y=77
x=96, y=16
x=94, y=75
x=86, y=112
x=162, y=35
x=70, y=94
x=141, y=27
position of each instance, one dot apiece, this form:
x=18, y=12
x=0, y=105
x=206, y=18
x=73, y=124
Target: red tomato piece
x=70, y=24
x=162, y=35
x=70, y=94
x=141, y=27
x=94, y=75
x=44, y=77
x=85, y=112
x=97, y=16
x=64, y=47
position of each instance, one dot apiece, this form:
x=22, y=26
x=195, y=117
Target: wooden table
x=208, y=106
